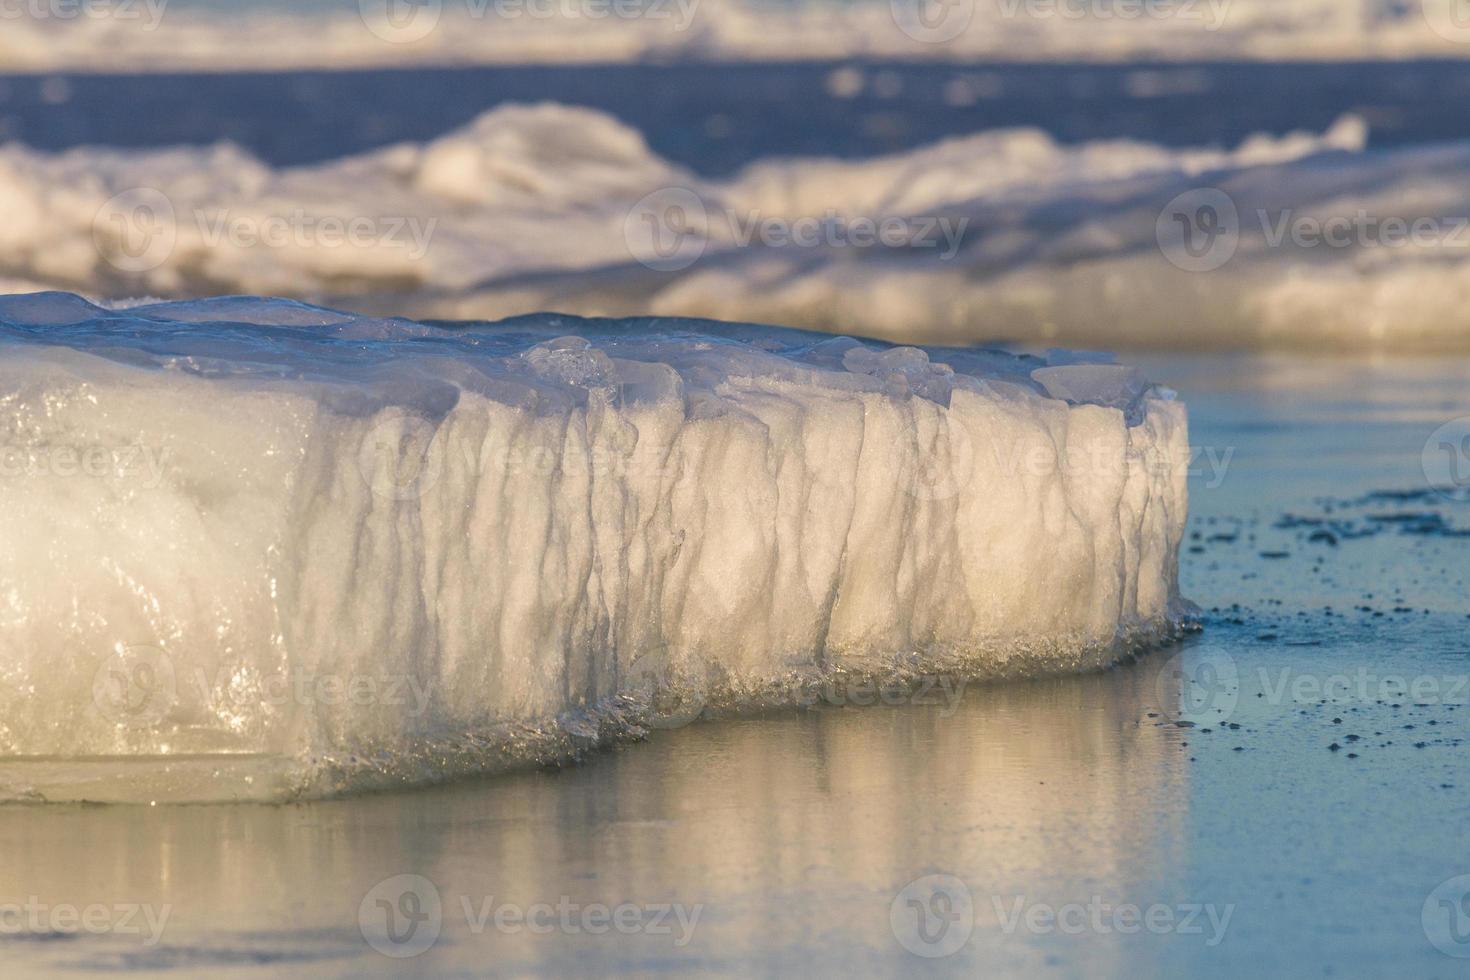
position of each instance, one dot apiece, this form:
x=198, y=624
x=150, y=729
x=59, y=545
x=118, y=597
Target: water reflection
x=791, y=835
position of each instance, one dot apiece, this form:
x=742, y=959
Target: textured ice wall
x=1004, y=234
x=319, y=551
x=153, y=35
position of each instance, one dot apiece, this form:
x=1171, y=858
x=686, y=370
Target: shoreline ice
x=261, y=550
x=142, y=37
x=1005, y=235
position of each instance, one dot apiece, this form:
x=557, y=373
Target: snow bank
x=257, y=549
x=1002, y=235
x=153, y=35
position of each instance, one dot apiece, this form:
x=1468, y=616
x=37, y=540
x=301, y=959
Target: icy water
x=715, y=119
x=1184, y=815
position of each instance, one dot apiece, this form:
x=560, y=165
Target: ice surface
x=266, y=35
x=1004, y=235
x=263, y=550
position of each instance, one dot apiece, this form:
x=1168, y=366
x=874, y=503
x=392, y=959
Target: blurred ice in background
x=1176, y=173
x=154, y=35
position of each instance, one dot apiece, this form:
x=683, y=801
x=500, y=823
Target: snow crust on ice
x=261, y=549
x=1013, y=236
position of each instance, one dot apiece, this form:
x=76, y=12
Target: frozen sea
x=789, y=838
x=1282, y=794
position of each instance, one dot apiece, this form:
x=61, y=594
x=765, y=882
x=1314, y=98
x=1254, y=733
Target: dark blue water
x=716, y=118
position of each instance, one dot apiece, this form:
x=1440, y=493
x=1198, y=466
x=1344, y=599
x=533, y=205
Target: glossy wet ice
x=1168, y=841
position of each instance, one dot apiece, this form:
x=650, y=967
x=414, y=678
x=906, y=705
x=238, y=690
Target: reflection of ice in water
x=794, y=832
